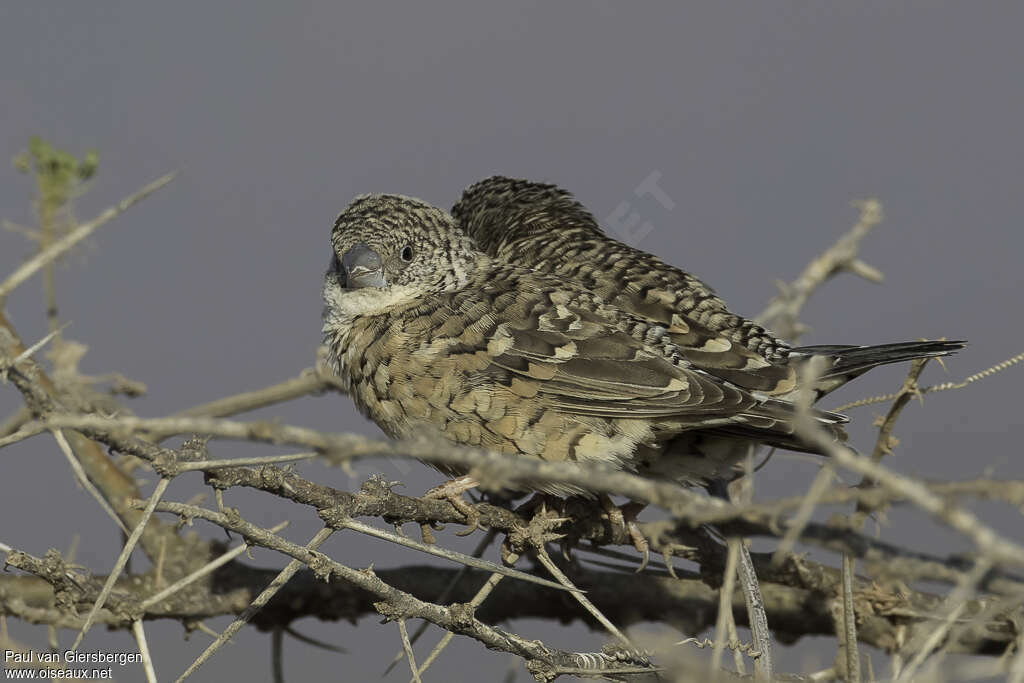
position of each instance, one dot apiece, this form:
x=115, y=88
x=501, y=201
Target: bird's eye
x=406, y=253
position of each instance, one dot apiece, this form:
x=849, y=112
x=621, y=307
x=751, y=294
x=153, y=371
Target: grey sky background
x=763, y=119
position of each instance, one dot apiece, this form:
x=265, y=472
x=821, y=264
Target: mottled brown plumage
x=432, y=336
x=543, y=227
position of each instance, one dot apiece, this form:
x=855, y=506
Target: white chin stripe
x=348, y=303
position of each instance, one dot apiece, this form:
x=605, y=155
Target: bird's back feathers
x=543, y=227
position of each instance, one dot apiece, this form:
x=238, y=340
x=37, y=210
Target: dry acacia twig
x=783, y=313
x=32, y=265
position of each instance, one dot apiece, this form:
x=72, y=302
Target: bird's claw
x=641, y=544
x=452, y=491
x=624, y=518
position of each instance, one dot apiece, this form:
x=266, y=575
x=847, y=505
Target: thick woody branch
x=497, y=469
x=391, y=602
x=687, y=603
x=376, y=498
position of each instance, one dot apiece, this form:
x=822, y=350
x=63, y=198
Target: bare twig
x=848, y=638
x=31, y=266
x=784, y=311
x=407, y=646
x=725, y=596
x=477, y=600
x=139, y=631
x=955, y=605
x=998, y=548
x=122, y=559
x=734, y=637
x=262, y=599
x=240, y=462
x=764, y=665
x=447, y=554
x=393, y=602
x=13, y=424
x=749, y=583
x=76, y=467
x=935, y=388
x=792, y=600
x=545, y=559
x=31, y=351
x=822, y=481
x=21, y=434
x=205, y=570
x=441, y=599
x=906, y=392
x=309, y=381
x=377, y=500
x=41, y=398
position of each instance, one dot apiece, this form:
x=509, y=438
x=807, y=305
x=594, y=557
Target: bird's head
x=390, y=248
x=497, y=211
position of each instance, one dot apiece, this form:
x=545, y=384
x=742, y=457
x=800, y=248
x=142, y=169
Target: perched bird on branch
x=543, y=227
x=431, y=335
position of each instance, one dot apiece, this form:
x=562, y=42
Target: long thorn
x=122, y=560
x=452, y=555
x=262, y=599
x=442, y=598
x=76, y=467
x=477, y=600
x=201, y=572
x=545, y=559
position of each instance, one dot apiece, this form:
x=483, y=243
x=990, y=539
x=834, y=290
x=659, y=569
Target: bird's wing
x=576, y=359
x=597, y=370
x=706, y=349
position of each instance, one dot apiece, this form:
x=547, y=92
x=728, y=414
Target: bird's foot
x=452, y=491
x=625, y=518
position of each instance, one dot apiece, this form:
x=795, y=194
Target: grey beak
x=363, y=268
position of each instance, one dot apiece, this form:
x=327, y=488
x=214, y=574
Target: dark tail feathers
x=848, y=362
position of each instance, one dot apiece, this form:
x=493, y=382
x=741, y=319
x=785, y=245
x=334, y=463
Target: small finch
x=543, y=227
x=430, y=335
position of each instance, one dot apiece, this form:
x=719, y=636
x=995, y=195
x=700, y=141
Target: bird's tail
x=844, y=363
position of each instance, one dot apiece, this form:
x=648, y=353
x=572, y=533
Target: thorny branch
x=783, y=313
x=799, y=594
x=377, y=499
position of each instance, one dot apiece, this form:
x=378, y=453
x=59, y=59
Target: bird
x=543, y=227
x=432, y=336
